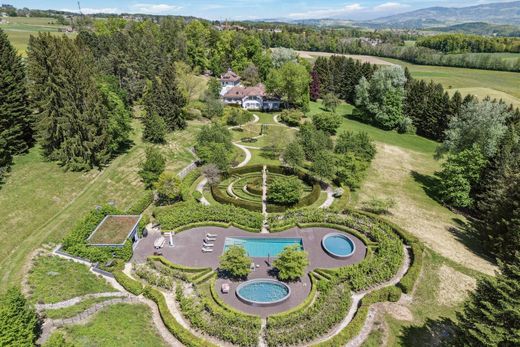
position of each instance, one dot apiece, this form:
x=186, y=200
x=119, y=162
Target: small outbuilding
x=114, y=230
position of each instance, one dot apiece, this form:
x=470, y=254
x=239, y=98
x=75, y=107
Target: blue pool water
x=338, y=245
x=263, y=291
x=262, y=247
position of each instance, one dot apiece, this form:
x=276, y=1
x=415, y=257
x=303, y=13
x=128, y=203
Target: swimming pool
x=263, y=247
x=263, y=292
x=338, y=245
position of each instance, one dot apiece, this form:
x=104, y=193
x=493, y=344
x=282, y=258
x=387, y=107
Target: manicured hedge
x=179, y=215
x=131, y=285
x=187, y=182
x=353, y=328
x=177, y=330
x=302, y=326
x=304, y=305
x=224, y=198
x=183, y=268
x=408, y=281
x=142, y=203
x=215, y=320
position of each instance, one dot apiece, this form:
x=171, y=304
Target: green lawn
x=117, y=325
x=40, y=202
x=454, y=77
x=53, y=279
x=412, y=142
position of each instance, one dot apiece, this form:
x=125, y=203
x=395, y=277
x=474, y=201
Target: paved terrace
x=187, y=251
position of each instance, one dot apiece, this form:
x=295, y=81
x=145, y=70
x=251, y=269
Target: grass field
x=74, y=310
x=19, y=29
x=53, y=279
x=454, y=77
x=40, y=202
x=117, y=325
x=402, y=165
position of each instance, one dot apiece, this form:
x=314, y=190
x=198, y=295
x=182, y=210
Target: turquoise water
x=263, y=247
x=339, y=245
x=263, y=292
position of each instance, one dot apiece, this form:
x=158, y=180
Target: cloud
x=322, y=13
x=155, y=8
x=390, y=6
x=89, y=10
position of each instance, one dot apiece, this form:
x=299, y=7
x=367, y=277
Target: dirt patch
x=397, y=311
x=454, y=286
x=390, y=176
x=362, y=58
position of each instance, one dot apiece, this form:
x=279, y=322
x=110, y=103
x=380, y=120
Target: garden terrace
x=114, y=230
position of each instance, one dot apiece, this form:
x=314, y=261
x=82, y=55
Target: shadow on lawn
x=428, y=183
x=439, y=332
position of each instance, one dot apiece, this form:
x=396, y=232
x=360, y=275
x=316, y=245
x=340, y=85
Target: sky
x=248, y=9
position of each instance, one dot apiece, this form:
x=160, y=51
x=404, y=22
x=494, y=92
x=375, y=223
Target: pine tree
x=166, y=99
x=321, y=66
x=314, y=88
x=19, y=325
x=491, y=316
x=15, y=115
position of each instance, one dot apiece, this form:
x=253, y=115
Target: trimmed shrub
x=285, y=190
x=291, y=117
x=179, y=215
x=177, y=330
x=131, y=285
x=187, y=183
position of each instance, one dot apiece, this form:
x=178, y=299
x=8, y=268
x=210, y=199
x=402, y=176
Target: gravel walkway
x=330, y=197
x=78, y=299
x=200, y=188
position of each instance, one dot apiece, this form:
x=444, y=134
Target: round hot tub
x=263, y=292
x=338, y=245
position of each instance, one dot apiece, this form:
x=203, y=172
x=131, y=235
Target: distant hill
x=480, y=28
x=496, y=13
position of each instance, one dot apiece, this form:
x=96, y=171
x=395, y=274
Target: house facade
x=249, y=98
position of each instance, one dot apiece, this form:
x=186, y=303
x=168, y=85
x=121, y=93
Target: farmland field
x=19, y=29
x=454, y=77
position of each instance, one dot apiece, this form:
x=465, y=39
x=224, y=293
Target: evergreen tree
x=154, y=128
x=314, y=88
x=499, y=198
x=16, y=132
x=321, y=67
x=19, y=324
x=152, y=167
x=166, y=99
x=71, y=115
x=491, y=316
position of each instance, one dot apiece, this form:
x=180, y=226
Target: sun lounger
x=205, y=244
x=211, y=236
x=225, y=288
x=206, y=250
x=159, y=243
x=206, y=240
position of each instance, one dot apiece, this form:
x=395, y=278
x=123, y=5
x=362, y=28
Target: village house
x=250, y=98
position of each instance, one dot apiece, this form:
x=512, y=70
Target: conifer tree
x=166, y=99
x=19, y=325
x=321, y=66
x=314, y=88
x=16, y=132
x=154, y=128
x=72, y=120
x=491, y=316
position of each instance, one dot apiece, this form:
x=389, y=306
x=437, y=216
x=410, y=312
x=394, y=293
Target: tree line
x=462, y=43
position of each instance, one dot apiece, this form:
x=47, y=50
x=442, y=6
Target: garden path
x=265, y=230
x=330, y=197
x=76, y=300
x=200, y=189
x=356, y=299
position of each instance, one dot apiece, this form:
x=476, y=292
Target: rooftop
x=114, y=230
x=239, y=92
x=230, y=76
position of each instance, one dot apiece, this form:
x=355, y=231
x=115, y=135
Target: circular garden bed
x=243, y=188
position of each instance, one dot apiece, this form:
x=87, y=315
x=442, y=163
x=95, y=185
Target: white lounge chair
x=206, y=240
x=206, y=244
x=211, y=236
x=206, y=250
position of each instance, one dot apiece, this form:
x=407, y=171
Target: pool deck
x=187, y=251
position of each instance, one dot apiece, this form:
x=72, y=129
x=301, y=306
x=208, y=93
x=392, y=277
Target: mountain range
x=494, y=13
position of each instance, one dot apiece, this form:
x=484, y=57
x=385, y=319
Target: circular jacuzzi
x=263, y=292
x=338, y=245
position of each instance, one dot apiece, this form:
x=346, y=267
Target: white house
x=250, y=98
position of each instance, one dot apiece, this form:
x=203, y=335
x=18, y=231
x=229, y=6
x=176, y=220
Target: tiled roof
x=240, y=92
x=230, y=76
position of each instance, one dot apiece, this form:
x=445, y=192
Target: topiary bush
x=291, y=117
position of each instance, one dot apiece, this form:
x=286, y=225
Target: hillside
x=496, y=13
